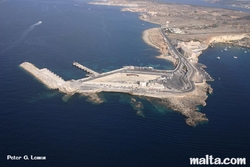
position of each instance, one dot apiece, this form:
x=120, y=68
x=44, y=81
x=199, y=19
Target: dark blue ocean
x=36, y=121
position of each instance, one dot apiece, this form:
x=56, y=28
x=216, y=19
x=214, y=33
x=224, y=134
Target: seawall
x=44, y=75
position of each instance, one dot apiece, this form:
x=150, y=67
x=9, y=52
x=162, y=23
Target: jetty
x=48, y=78
x=86, y=69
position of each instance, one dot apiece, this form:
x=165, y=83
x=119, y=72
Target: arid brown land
x=191, y=22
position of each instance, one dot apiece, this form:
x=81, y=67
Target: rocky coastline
x=187, y=105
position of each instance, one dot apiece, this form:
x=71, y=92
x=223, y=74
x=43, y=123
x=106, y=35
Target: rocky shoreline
x=187, y=105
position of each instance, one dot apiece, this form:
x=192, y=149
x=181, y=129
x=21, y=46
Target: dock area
x=134, y=80
x=86, y=69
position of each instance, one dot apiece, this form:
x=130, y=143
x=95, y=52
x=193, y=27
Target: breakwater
x=48, y=78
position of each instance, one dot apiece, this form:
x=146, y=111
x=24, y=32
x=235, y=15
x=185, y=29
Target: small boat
x=218, y=58
x=235, y=57
x=225, y=49
x=245, y=51
x=229, y=47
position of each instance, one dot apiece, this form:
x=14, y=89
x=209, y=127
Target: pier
x=86, y=69
x=50, y=79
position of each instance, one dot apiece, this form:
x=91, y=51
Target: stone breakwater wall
x=44, y=75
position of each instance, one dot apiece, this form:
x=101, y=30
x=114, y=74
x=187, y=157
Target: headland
x=183, y=32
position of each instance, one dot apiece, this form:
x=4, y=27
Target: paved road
x=182, y=61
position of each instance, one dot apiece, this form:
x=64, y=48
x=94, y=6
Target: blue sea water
x=36, y=121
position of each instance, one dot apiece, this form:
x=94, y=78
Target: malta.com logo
x=210, y=160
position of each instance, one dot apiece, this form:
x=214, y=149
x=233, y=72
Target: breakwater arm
x=48, y=78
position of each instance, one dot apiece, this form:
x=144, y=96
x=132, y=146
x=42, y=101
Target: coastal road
x=181, y=62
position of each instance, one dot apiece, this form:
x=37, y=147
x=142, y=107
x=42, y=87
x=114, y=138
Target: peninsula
x=181, y=36
x=184, y=84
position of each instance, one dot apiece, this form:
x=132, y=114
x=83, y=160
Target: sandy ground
x=154, y=38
